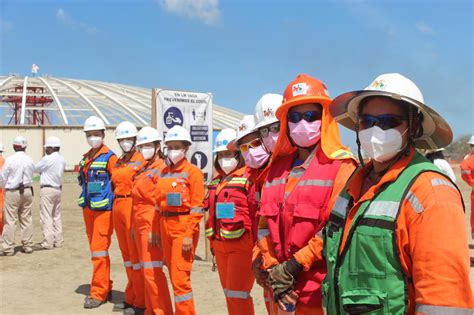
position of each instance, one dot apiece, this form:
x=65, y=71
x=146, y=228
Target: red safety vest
x=295, y=216
x=238, y=189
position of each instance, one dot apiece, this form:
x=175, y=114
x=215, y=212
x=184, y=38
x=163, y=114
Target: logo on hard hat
x=379, y=84
x=268, y=113
x=300, y=89
x=219, y=143
x=242, y=127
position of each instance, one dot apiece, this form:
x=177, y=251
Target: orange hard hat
x=308, y=90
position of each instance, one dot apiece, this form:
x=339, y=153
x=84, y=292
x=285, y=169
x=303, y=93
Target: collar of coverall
x=356, y=183
x=103, y=150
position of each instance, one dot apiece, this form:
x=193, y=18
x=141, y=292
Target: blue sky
x=239, y=50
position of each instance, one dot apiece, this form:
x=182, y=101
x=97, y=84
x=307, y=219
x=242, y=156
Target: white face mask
x=175, y=155
x=228, y=164
x=126, y=145
x=94, y=141
x=381, y=145
x=147, y=152
x=270, y=141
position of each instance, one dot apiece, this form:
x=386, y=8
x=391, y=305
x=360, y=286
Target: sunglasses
x=387, y=121
x=309, y=116
x=264, y=131
x=244, y=147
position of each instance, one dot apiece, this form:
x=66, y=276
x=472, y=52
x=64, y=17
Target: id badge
x=225, y=210
x=173, y=199
x=94, y=187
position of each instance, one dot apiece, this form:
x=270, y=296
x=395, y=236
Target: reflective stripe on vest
x=236, y=294
x=232, y=234
x=196, y=210
x=415, y=203
x=441, y=310
x=151, y=264
x=214, y=182
x=316, y=182
x=209, y=232
x=80, y=201
x=100, y=165
x=275, y=182
x=136, y=266
x=340, y=206
x=262, y=233
x=127, y=264
x=383, y=208
x=465, y=171
x=441, y=182
x=99, y=204
x=238, y=180
x=183, y=298
x=174, y=175
x=100, y=254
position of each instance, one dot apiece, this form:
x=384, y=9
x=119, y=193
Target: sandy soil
x=56, y=281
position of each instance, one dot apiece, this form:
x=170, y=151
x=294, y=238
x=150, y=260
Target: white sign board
x=193, y=111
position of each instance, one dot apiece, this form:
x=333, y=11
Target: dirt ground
x=56, y=281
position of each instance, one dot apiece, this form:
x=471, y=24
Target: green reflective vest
x=366, y=275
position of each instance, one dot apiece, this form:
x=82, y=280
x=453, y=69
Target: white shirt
x=51, y=168
x=17, y=169
x=444, y=166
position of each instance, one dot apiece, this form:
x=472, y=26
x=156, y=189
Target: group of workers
x=16, y=196
x=289, y=207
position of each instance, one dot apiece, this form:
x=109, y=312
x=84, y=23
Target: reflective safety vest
x=237, y=190
x=366, y=275
x=294, y=217
x=99, y=181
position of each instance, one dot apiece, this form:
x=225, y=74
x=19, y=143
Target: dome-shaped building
x=41, y=106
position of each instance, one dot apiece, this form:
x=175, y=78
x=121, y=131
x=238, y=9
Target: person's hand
x=260, y=275
x=154, y=240
x=282, y=278
x=290, y=298
x=187, y=244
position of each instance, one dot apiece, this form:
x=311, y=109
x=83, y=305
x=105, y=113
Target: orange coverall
x=467, y=173
x=431, y=239
x=177, y=222
x=2, y=193
x=99, y=229
x=122, y=179
x=145, y=218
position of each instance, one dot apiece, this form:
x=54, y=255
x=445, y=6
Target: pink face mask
x=305, y=134
x=270, y=141
x=255, y=157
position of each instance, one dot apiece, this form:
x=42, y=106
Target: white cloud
x=70, y=22
x=422, y=27
x=204, y=10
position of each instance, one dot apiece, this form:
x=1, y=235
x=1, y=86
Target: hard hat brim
x=436, y=131
x=265, y=123
x=126, y=136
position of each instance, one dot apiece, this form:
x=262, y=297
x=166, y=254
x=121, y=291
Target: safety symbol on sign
x=173, y=117
x=199, y=159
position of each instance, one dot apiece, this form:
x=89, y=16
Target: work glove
x=282, y=278
x=260, y=275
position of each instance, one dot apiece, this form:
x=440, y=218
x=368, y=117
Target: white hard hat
x=125, y=130
x=94, y=123
x=265, y=110
x=53, y=142
x=223, y=138
x=2, y=149
x=436, y=131
x=20, y=141
x=178, y=133
x=471, y=141
x=148, y=135
x=246, y=127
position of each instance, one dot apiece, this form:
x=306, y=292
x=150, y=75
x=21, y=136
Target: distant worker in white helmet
x=437, y=157
x=2, y=190
x=51, y=169
x=96, y=200
x=467, y=173
x=16, y=178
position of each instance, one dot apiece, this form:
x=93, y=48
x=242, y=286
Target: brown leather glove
x=282, y=277
x=260, y=275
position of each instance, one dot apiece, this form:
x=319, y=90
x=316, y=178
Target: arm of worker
x=466, y=170
x=265, y=244
x=432, y=233
x=41, y=166
x=4, y=172
x=196, y=179
x=111, y=163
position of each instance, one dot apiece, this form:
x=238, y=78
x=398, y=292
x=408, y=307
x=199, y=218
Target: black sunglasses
x=309, y=116
x=386, y=121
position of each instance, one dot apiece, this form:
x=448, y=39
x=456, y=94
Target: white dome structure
x=47, y=100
